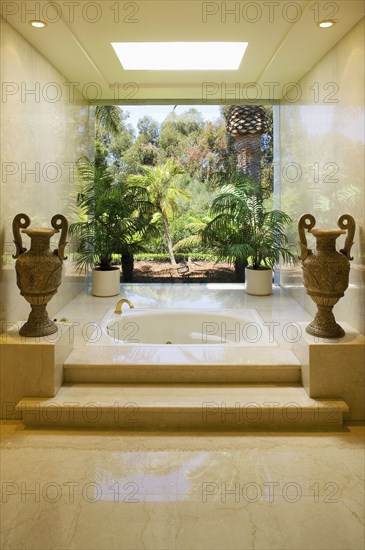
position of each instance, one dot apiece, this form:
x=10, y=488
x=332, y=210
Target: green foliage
x=179, y=167
x=179, y=134
x=161, y=183
x=171, y=143
x=108, y=118
x=113, y=136
x=191, y=240
x=202, y=149
x=115, y=216
x=243, y=230
x=149, y=129
x=143, y=150
x=141, y=153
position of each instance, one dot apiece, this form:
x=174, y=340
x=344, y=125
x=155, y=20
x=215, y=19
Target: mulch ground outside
x=192, y=272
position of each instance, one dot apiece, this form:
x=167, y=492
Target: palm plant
x=115, y=216
x=108, y=118
x=267, y=241
x=244, y=232
x=194, y=240
x=108, y=124
x=161, y=183
x=246, y=124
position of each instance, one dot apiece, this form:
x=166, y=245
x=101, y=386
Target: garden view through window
x=177, y=193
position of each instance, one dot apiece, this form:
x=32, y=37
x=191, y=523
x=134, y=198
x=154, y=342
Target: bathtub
x=183, y=327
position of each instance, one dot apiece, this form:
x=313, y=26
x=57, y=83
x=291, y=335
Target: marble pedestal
x=334, y=368
x=31, y=366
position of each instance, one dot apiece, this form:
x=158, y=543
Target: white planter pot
x=258, y=281
x=106, y=283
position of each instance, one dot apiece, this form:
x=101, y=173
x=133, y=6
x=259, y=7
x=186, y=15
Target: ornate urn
x=39, y=271
x=326, y=271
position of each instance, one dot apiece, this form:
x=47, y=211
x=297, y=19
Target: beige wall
x=46, y=132
x=322, y=146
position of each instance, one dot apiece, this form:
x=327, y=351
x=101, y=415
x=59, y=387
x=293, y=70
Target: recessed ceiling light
x=327, y=23
x=38, y=24
x=180, y=56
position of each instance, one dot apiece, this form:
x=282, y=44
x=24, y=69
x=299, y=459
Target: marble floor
x=81, y=489
x=108, y=490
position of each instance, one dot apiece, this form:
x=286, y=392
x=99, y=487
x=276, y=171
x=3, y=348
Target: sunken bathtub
x=183, y=327
x=182, y=346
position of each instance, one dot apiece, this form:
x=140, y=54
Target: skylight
x=180, y=56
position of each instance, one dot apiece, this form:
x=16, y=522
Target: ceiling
x=284, y=43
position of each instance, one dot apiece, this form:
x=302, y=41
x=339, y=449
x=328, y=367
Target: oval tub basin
x=188, y=327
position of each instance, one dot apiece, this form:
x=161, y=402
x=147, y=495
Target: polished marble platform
x=180, y=364
x=100, y=378
x=184, y=407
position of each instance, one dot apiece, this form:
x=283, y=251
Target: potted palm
x=246, y=233
x=266, y=242
x=114, y=219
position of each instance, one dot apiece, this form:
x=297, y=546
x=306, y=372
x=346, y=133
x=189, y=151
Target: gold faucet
x=118, y=307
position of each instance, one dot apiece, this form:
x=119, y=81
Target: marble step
x=163, y=365
x=184, y=408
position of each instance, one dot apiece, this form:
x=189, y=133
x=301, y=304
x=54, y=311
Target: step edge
x=190, y=365
x=29, y=404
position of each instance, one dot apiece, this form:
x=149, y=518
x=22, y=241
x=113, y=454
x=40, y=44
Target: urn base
x=324, y=324
x=38, y=324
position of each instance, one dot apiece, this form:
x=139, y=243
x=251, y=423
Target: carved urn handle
x=59, y=222
x=347, y=222
x=307, y=221
x=20, y=221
